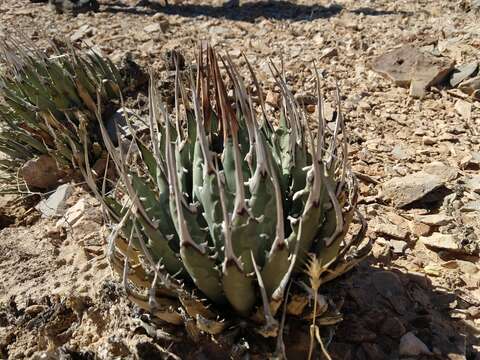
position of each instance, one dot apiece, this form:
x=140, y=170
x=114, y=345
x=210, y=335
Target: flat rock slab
x=406, y=190
x=54, y=205
x=471, y=87
x=403, y=191
x=442, y=242
x=444, y=172
x=471, y=206
x=463, y=72
x=391, y=230
x=473, y=183
x=434, y=219
x=397, y=65
x=408, y=66
x=73, y=214
x=464, y=108
x=398, y=246
x=402, y=152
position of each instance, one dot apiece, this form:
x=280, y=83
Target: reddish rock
x=41, y=173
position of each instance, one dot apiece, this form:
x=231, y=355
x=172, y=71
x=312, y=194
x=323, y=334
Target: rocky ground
x=416, y=152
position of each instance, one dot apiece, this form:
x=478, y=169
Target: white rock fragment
x=410, y=345
x=54, y=205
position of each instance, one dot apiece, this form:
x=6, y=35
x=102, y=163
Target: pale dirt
x=56, y=288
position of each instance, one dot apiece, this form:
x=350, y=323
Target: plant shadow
x=249, y=12
x=381, y=305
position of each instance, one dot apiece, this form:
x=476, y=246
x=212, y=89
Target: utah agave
x=218, y=207
x=47, y=103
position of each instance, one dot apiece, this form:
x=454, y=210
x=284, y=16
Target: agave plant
x=46, y=103
x=219, y=207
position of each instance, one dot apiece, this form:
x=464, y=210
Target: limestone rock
x=471, y=206
x=464, y=108
x=408, y=66
x=473, y=183
x=273, y=99
x=54, y=205
x=398, y=246
x=410, y=345
x=471, y=87
x=82, y=32
x=391, y=230
x=442, y=242
x=434, y=219
x=74, y=214
x=445, y=172
x=463, y=72
x=419, y=228
x=401, y=152
x=397, y=65
x=402, y=191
